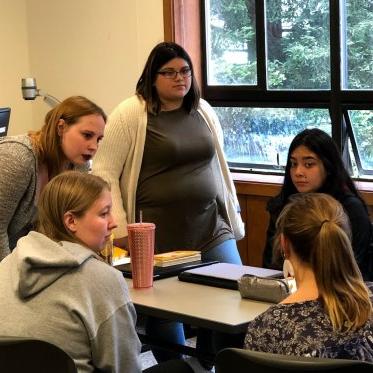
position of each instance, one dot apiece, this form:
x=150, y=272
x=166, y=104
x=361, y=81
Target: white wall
x=95, y=48
x=14, y=62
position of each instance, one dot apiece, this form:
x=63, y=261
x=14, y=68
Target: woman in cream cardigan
x=163, y=154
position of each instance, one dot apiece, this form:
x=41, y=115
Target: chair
x=20, y=355
x=4, y=120
x=242, y=361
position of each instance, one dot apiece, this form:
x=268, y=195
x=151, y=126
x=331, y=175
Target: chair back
x=4, y=120
x=242, y=361
x=20, y=355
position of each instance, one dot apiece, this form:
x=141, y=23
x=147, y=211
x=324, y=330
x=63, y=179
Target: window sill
x=257, y=184
x=257, y=178
x=269, y=185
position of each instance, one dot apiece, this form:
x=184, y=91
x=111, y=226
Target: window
x=297, y=39
x=275, y=67
x=358, y=17
x=258, y=138
x=231, y=60
x=360, y=123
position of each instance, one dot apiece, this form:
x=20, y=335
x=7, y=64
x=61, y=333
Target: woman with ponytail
x=330, y=313
x=68, y=140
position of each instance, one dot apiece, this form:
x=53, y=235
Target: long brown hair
x=319, y=232
x=337, y=182
x=47, y=142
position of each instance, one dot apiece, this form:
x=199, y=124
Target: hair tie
x=323, y=222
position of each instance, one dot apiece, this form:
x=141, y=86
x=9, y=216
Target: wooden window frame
x=179, y=13
x=253, y=190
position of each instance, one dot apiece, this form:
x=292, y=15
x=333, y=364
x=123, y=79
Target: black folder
x=163, y=272
x=225, y=275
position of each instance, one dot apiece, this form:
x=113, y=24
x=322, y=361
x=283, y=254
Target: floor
x=148, y=360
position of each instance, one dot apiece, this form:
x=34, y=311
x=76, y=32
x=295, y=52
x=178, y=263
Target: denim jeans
x=173, y=331
x=225, y=252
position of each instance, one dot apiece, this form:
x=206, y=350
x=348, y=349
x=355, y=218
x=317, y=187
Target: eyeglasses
x=185, y=72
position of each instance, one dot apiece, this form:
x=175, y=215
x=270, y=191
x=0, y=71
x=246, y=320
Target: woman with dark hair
x=169, y=161
x=163, y=155
x=315, y=165
x=330, y=313
x=68, y=139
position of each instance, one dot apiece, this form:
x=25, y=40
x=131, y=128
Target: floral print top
x=304, y=329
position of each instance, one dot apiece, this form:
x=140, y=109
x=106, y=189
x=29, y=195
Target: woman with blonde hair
x=55, y=286
x=330, y=314
x=68, y=140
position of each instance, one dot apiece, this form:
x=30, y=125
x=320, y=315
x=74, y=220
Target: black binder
x=163, y=272
x=225, y=275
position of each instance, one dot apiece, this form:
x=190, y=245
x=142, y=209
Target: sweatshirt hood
x=40, y=261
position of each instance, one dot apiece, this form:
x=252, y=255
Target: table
x=217, y=309
x=199, y=305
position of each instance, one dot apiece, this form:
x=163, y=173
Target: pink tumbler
x=141, y=247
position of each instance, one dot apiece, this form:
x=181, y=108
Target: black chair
x=20, y=355
x=4, y=120
x=238, y=360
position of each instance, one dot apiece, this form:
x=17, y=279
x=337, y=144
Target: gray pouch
x=265, y=289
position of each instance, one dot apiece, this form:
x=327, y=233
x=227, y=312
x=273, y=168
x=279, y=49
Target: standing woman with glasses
x=163, y=155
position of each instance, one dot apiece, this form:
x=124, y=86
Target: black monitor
x=4, y=120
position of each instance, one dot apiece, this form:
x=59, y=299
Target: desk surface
x=204, y=306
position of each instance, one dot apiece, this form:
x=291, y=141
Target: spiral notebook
x=225, y=275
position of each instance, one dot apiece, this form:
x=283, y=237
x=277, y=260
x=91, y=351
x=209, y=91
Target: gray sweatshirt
x=64, y=294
